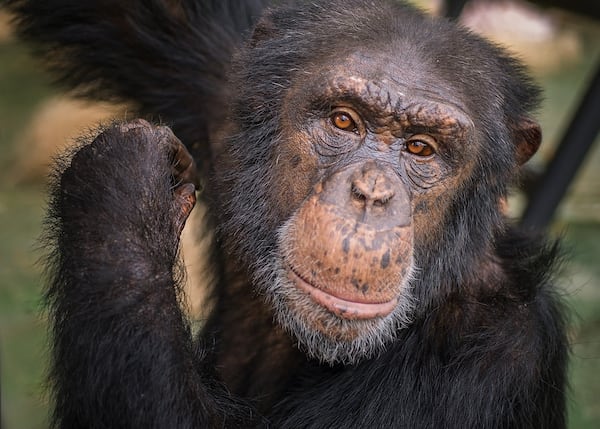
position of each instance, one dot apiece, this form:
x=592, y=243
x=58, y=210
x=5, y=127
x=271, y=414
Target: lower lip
x=345, y=309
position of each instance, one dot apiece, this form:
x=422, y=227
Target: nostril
x=357, y=194
x=371, y=187
x=381, y=202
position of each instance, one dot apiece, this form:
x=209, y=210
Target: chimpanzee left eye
x=421, y=145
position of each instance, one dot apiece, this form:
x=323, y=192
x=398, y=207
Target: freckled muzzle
x=350, y=247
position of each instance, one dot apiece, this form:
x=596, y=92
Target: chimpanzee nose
x=370, y=193
x=371, y=187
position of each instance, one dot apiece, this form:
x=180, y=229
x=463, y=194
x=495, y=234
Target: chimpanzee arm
x=168, y=57
x=122, y=351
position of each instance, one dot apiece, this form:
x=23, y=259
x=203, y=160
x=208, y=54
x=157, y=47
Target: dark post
x=571, y=152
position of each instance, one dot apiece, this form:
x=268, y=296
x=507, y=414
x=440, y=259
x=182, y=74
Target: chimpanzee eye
x=421, y=145
x=343, y=121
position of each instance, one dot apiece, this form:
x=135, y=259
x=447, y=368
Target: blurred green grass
x=22, y=330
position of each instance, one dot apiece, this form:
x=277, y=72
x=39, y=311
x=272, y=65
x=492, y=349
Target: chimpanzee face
x=368, y=162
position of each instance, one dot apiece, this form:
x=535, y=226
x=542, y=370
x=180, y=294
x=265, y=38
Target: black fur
x=187, y=46
x=104, y=315
x=486, y=347
x=489, y=361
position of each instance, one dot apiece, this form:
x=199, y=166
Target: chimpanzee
x=354, y=156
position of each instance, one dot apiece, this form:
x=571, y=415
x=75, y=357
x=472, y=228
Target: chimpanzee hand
x=182, y=165
x=124, y=198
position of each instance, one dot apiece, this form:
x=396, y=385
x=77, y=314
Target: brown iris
x=420, y=145
x=343, y=121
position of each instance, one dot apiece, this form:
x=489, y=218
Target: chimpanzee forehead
x=390, y=82
x=389, y=91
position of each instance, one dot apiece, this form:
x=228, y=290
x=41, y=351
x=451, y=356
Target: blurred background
x=562, y=49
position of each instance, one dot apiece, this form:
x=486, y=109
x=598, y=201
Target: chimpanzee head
x=367, y=152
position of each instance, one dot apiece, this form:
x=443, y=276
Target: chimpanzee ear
x=527, y=138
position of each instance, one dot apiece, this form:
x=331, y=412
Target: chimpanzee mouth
x=352, y=310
